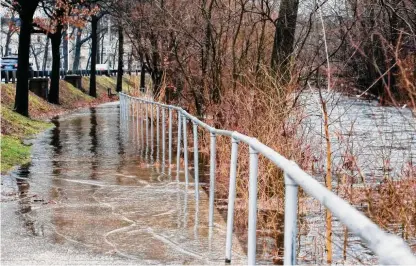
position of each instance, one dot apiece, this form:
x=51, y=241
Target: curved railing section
x=389, y=248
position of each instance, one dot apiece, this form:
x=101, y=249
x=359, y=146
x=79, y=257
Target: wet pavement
x=90, y=196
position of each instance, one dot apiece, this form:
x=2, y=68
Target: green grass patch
x=7, y=94
x=20, y=126
x=37, y=106
x=14, y=128
x=13, y=152
x=105, y=82
x=70, y=97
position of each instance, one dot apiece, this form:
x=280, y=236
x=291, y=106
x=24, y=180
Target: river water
x=369, y=143
x=382, y=139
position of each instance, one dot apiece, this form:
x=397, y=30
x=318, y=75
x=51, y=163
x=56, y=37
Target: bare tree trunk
x=35, y=55
x=93, y=84
x=53, y=96
x=119, y=86
x=65, y=49
x=130, y=60
x=102, y=50
x=27, y=10
x=235, y=37
x=261, y=48
x=156, y=74
x=97, y=38
x=142, y=73
x=114, y=55
x=284, y=37
x=101, y=41
x=77, y=52
x=45, y=54
x=8, y=39
x=87, y=66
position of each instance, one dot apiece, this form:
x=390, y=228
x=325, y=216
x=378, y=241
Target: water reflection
x=94, y=144
x=97, y=194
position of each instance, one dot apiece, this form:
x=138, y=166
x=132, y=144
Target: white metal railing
x=389, y=248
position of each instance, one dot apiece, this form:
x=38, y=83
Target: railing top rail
x=389, y=248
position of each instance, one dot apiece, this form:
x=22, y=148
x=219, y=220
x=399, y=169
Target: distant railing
x=10, y=75
x=389, y=248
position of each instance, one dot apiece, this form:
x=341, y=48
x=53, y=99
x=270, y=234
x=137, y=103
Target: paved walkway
x=90, y=197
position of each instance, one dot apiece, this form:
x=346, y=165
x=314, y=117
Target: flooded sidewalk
x=90, y=197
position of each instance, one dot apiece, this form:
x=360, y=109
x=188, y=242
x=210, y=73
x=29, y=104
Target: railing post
x=138, y=125
x=124, y=108
x=252, y=207
x=139, y=111
x=231, y=200
x=196, y=221
x=212, y=179
x=139, y=117
x=126, y=103
x=128, y=109
x=178, y=154
x=170, y=140
x=185, y=150
x=151, y=130
x=157, y=132
x=135, y=104
x=142, y=125
x=185, y=209
x=147, y=128
x=120, y=96
x=129, y=105
x=291, y=207
x=123, y=111
x=121, y=104
x=196, y=166
x=163, y=139
x=134, y=109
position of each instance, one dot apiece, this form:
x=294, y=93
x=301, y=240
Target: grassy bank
x=15, y=128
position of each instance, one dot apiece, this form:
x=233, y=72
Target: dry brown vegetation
x=234, y=65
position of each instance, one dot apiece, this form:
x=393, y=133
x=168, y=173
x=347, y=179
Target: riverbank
x=16, y=129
